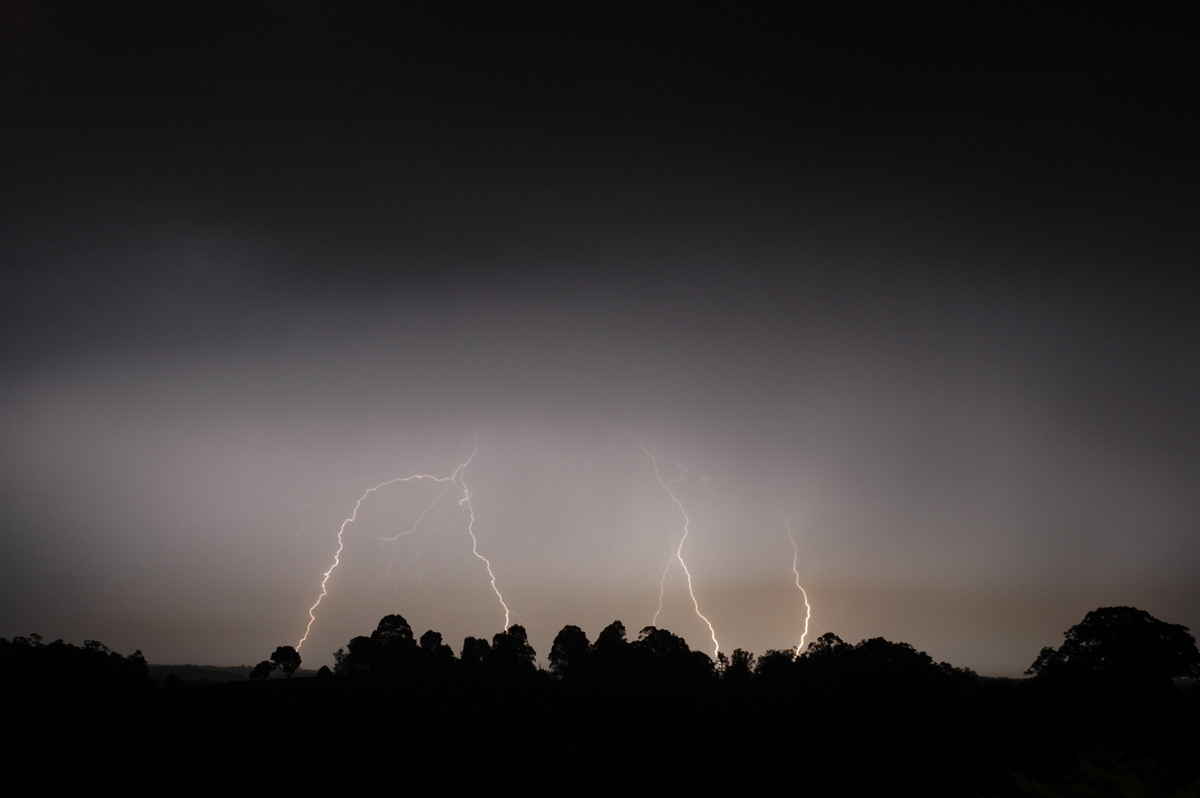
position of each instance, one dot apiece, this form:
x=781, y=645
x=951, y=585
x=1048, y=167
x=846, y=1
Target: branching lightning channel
x=454, y=481
x=796, y=572
x=411, y=531
x=465, y=501
x=678, y=555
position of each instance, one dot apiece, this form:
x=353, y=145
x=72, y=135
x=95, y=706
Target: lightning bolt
x=678, y=555
x=796, y=572
x=465, y=501
x=454, y=481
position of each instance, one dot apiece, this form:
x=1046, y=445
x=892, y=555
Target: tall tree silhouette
x=474, y=654
x=569, y=652
x=511, y=652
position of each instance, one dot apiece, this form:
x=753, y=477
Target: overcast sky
x=912, y=286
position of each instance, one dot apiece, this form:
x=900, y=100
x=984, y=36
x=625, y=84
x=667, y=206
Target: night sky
x=911, y=284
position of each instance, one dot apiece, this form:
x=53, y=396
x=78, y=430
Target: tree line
x=1112, y=647
x=1103, y=714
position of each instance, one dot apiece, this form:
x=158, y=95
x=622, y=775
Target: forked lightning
x=453, y=482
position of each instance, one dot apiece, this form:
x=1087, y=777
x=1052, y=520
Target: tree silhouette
x=511, y=652
x=1120, y=646
x=435, y=658
x=826, y=645
x=71, y=669
x=738, y=668
x=612, y=655
x=389, y=650
x=135, y=666
x=569, y=652
x=434, y=652
x=287, y=659
x=776, y=668
x=663, y=656
x=825, y=659
x=474, y=654
x=393, y=630
x=611, y=638
x=262, y=671
x=358, y=657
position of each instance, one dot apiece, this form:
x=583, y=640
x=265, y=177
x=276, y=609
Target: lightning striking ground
x=804, y=593
x=678, y=555
x=455, y=480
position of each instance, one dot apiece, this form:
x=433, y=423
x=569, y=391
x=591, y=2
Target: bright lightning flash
x=804, y=593
x=678, y=555
x=454, y=481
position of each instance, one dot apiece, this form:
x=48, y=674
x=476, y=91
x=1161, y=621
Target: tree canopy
x=569, y=652
x=389, y=649
x=287, y=659
x=511, y=652
x=1120, y=646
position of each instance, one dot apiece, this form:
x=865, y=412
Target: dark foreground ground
x=536, y=733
